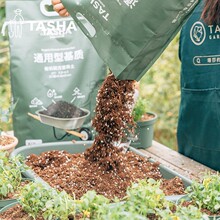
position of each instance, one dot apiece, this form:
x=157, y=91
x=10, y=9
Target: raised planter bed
x=80, y=147
x=77, y=149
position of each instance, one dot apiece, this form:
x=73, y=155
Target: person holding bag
x=129, y=36
x=199, y=113
x=59, y=8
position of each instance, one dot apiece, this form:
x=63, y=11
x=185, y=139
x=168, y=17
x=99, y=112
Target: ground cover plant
x=205, y=194
x=36, y=201
x=10, y=175
x=144, y=200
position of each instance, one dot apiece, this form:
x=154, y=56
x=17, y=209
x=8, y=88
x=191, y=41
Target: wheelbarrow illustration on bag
x=66, y=119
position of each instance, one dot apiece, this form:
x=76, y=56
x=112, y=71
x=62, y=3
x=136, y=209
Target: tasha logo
x=198, y=33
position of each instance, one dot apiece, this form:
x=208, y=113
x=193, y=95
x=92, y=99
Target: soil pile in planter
x=63, y=109
x=103, y=167
x=76, y=175
x=113, y=115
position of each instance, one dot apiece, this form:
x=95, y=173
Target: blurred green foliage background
x=160, y=86
x=5, y=89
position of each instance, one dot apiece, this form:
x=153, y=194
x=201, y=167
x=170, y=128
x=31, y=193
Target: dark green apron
x=198, y=131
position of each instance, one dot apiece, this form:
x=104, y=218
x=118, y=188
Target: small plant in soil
x=36, y=199
x=206, y=195
x=145, y=197
x=144, y=200
x=10, y=174
x=182, y=213
x=92, y=205
x=139, y=112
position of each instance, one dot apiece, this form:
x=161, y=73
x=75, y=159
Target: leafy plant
x=91, y=204
x=144, y=200
x=10, y=173
x=182, y=213
x=61, y=206
x=140, y=108
x=206, y=195
x=117, y=211
x=37, y=199
x=145, y=197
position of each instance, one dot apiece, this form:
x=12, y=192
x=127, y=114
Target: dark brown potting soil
x=113, y=116
x=76, y=175
x=16, y=213
x=63, y=109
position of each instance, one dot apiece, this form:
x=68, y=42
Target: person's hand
x=59, y=8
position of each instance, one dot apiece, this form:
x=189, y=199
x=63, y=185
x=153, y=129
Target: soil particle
x=113, y=116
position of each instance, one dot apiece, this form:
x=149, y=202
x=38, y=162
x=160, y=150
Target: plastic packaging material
x=130, y=35
x=50, y=60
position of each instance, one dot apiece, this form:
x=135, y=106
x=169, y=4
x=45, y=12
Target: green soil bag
x=50, y=60
x=129, y=35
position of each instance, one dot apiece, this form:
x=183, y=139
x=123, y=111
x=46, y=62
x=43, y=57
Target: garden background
x=159, y=86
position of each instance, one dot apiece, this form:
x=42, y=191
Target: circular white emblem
x=198, y=33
